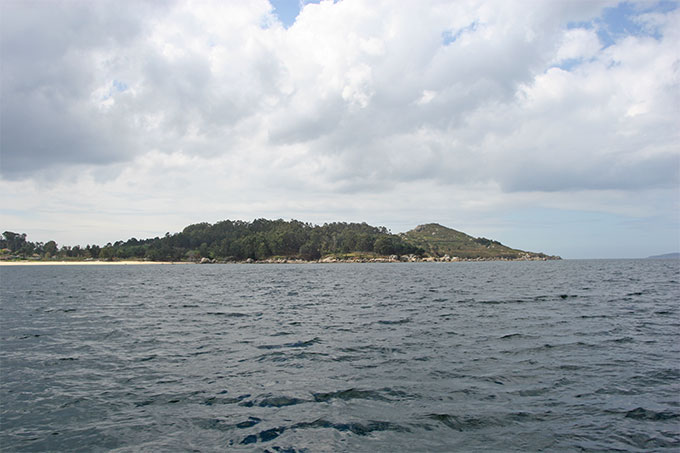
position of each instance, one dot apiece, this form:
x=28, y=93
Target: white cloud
x=578, y=44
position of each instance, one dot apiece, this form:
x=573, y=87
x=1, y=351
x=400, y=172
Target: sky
x=551, y=126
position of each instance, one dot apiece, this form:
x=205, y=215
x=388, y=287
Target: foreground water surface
x=491, y=356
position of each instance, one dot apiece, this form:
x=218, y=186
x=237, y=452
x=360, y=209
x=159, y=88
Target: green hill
x=439, y=241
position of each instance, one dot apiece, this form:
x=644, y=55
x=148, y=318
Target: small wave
x=252, y=421
x=296, y=344
x=534, y=392
x=397, y=322
x=227, y=314
x=548, y=346
x=24, y=337
x=571, y=367
x=303, y=344
x=502, y=302
x=221, y=425
x=612, y=390
x=281, y=333
x=492, y=302
x=307, y=355
x=277, y=356
x=360, y=429
x=264, y=436
x=349, y=394
x=641, y=413
x=623, y=340
x=269, y=400
x=278, y=449
x=382, y=394
x=471, y=423
x=512, y=335
x=458, y=423
x=220, y=400
x=371, y=349
x=656, y=377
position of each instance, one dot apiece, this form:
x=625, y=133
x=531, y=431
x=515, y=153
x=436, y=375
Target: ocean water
x=490, y=356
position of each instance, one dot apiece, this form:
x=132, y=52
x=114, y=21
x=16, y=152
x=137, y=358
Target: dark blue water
x=494, y=356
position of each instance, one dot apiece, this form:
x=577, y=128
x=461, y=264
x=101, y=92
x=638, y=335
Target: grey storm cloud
x=48, y=72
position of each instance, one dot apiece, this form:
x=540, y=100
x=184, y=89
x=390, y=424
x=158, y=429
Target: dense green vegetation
x=229, y=241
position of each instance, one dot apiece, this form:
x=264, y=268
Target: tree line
x=229, y=240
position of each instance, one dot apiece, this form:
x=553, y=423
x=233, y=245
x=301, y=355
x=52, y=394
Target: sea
x=407, y=357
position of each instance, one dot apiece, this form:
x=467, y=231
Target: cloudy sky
x=548, y=125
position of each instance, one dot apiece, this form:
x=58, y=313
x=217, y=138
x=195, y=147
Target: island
x=277, y=241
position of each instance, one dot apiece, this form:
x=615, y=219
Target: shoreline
x=267, y=261
x=87, y=263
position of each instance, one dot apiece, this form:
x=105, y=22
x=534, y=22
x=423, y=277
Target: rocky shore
x=379, y=259
x=328, y=259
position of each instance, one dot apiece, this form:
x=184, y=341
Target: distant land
x=665, y=256
x=277, y=241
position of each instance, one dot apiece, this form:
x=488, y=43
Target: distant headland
x=665, y=256
x=277, y=241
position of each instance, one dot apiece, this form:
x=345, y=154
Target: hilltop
x=439, y=241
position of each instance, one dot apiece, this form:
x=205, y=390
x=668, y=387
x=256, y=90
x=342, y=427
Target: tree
x=309, y=251
x=13, y=241
x=50, y=249
x=385, y=245
x=107, y=252
x=93, y=250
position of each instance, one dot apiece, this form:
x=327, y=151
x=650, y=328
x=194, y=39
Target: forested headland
x=228, y=241
x=262, y=239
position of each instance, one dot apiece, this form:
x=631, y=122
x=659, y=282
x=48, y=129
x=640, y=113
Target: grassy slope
x=438, y=240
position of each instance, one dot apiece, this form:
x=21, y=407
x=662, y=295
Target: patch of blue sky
x=617, y=23
x=568, y=64
x=119, y=86
x=288, y=10
x=450, y=36
x=588, y=25
x=623, y=20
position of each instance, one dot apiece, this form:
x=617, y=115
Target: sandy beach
x=86, y=263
